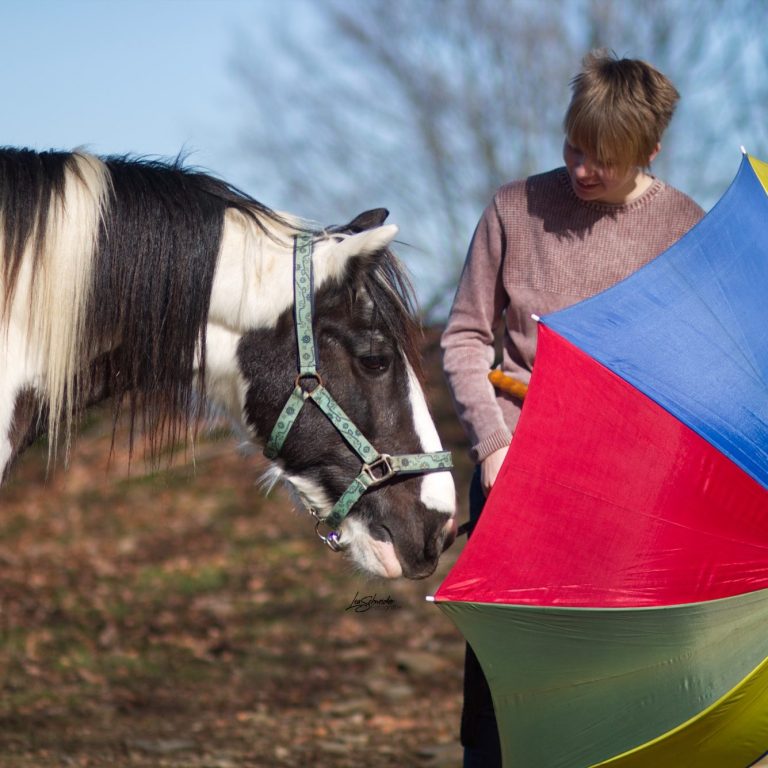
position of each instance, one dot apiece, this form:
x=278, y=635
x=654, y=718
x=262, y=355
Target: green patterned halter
x=377, y=467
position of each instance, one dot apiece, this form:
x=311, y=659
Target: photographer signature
x=366, y=602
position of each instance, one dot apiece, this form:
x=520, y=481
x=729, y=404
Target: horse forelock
x=394, y=301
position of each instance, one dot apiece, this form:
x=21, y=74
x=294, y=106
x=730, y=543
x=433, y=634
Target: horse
x=166, y=288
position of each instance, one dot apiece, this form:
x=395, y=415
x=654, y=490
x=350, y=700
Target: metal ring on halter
x=332, y=539
x=300, y=381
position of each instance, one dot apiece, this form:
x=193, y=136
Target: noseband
x=377, y=467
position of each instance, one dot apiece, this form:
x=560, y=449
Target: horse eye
x=375, y=363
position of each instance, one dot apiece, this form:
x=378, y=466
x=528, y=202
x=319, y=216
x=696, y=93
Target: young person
x=542, y=244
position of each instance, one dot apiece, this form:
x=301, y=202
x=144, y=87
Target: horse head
x=368, y=360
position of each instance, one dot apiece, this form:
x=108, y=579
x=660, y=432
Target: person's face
x=594, y=182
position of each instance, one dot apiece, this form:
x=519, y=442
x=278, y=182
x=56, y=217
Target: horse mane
x=122, y=253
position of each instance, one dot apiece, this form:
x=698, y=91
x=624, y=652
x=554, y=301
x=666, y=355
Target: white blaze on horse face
x=437, y=488
x=253, y=284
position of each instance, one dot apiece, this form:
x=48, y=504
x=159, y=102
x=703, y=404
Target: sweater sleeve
x=468, y=340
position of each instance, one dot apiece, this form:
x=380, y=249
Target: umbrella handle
x=508, y=384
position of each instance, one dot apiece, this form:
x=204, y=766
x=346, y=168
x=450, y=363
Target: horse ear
x=335, y=254
x=366, y=242
x=366, y=220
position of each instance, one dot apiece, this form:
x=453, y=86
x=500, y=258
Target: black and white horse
x=155, y=284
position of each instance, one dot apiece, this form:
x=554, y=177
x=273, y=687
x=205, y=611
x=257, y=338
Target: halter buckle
x=380, y=470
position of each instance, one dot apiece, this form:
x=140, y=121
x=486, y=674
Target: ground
x=183, y=619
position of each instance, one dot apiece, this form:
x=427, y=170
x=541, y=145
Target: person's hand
x=490, y=466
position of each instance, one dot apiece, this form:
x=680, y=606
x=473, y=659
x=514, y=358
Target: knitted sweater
x=539, y=248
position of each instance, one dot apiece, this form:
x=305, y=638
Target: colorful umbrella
x=615, y=589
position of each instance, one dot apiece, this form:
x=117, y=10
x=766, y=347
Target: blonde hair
x=619, y=109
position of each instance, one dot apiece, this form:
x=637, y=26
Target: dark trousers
x=479, y=733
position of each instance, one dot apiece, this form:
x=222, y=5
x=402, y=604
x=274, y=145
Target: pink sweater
x=539, y=248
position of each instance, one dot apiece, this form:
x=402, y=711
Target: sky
x=157, y=78
x=147, y=77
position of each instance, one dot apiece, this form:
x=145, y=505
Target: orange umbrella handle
x=508, y=384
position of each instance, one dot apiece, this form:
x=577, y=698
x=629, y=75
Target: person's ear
x=655, y=152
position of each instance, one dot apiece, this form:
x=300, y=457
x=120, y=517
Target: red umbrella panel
x=615, y=589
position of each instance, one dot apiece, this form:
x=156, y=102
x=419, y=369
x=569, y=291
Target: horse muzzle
x=450, y=530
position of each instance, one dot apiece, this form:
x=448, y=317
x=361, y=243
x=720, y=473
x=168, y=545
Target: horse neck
x=248, y=286
x=253, y=283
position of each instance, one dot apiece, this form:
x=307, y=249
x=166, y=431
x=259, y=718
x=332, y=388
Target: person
x=544, y=243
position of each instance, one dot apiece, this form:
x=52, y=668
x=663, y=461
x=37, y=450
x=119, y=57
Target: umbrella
x=615, y=589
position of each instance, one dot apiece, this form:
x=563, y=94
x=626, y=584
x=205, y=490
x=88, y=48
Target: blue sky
x=128, y=76
x=151, y=77
x=156, y=77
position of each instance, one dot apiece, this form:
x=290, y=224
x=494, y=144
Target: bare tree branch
x=427, y=106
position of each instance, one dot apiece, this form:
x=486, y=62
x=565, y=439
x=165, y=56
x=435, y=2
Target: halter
x=377, y=467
